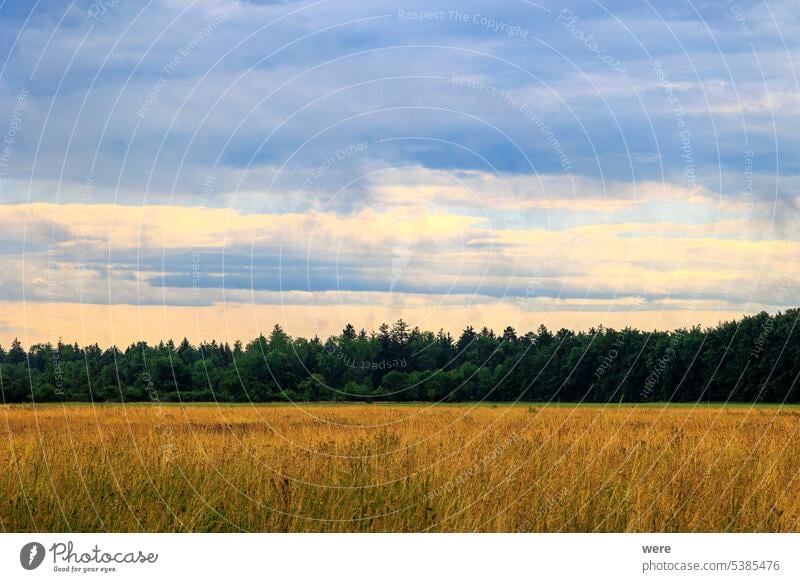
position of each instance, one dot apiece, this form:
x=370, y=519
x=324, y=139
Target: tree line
x=755, y=359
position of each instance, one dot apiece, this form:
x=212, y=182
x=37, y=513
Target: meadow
x=399, y=468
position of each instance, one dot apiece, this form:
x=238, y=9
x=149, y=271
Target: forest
x=754, y=359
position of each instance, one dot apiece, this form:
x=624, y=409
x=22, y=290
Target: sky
x=208, y=169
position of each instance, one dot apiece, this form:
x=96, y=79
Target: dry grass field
x=399, y=468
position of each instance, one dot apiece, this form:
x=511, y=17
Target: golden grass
x=399, y=468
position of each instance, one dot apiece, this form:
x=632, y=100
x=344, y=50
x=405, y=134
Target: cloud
x=257, y=84
x=532, y=156
x=154, y=254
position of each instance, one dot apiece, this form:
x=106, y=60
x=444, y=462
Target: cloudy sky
x=210, y=168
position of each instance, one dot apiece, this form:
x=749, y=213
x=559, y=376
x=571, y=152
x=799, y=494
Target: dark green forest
x=755, y=359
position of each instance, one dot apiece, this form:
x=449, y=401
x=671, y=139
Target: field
x=399, y=468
